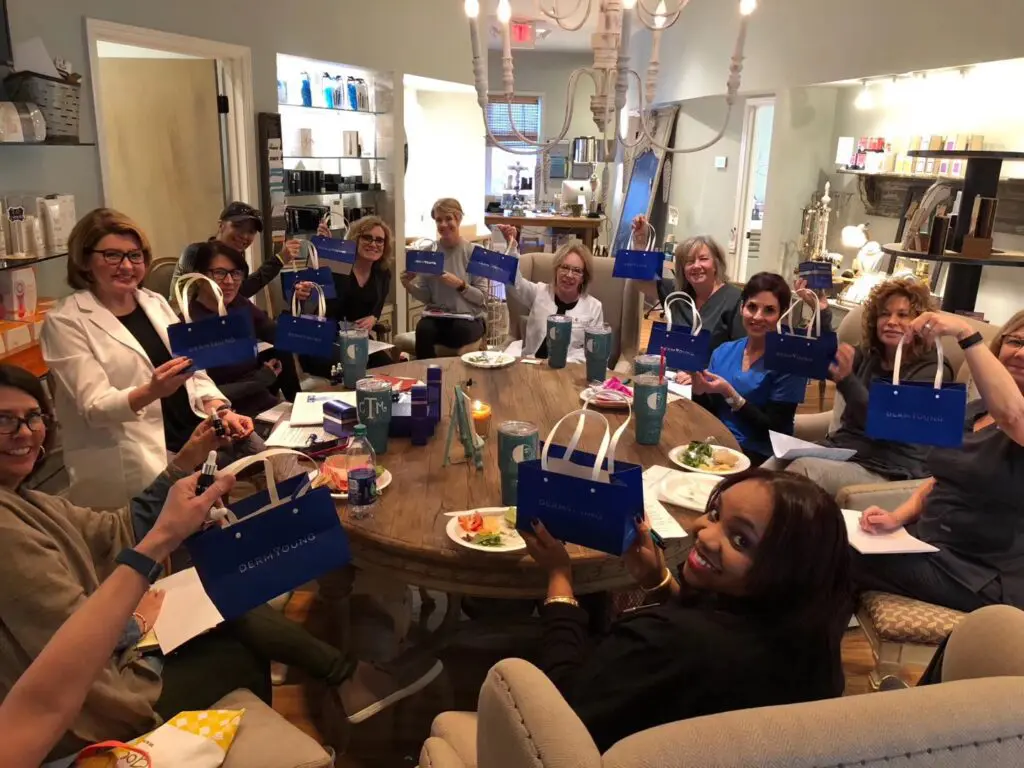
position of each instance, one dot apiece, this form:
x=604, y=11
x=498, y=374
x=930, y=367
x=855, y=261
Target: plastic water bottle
x=362, y=475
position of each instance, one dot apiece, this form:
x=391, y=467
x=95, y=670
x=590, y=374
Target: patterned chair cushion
x=899, y=619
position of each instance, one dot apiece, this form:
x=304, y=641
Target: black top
x=251, y=285
x=179, y=418
x=895, y=461
x=975, y=512
x=355, y=301
x=247, y=385
x=721, y=314
x=561, y=308
x=699, y=656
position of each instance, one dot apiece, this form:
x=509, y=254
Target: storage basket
x=59, y=101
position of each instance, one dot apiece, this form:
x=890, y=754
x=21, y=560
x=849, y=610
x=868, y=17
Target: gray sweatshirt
x=435, y=294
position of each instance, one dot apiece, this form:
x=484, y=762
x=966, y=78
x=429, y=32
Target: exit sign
x=522, y=33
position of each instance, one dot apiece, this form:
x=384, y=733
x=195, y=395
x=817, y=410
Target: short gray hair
x=577, y=247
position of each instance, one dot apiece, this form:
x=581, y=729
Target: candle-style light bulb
x=504, y=11
x=628, y=5
x=660, y=13
x=472, y=8
x=747, y=7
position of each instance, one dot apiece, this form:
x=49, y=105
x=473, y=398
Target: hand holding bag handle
x=612, y=395
x=794, y=302
x=682, y=296
x=608, y=442
x=652, y=237
x=181, y=294
x=321, y=303
x=899, y=360
x=268, y=468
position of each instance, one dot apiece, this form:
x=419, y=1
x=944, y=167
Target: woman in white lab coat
x=568, y=296
x=123, y=402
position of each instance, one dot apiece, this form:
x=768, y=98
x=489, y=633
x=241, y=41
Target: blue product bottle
x=353, y=94
x=282, y=92
x=307, y=91
x=328, y=90
x=339, y=93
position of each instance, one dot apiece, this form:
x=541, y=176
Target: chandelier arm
x=553, y=14
x=647, y=130
x=570, y=94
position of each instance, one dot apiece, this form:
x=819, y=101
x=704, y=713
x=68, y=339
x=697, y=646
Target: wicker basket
x=58, y=100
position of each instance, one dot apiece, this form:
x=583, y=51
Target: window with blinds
x=525, y=115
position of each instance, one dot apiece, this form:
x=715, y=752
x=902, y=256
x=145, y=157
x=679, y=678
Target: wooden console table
x=584, y=228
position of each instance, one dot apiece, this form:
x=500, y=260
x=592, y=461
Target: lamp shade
x=854, y=237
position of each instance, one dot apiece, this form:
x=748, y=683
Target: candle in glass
x=481, y=418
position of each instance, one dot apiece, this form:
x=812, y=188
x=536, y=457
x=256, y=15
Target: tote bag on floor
x=686, y=349
x=807, y=355
x=227, y=339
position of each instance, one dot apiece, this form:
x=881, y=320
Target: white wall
x=445, y=132
x=546, y=73
x=705, y=195
x=802, y=42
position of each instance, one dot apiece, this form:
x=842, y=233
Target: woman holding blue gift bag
x=765, y=586
x=972, y=506
x=125, y=402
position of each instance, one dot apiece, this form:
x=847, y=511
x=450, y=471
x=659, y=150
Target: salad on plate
x=489, y=530
x=708, y=457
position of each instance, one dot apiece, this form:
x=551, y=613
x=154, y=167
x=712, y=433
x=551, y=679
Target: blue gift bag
x=917, y=412
x=329, y=249
x=686, y=349
x=638, y=265
x=274, y=541
x=805, y=355
x=818, y=274
x=499, y=267
x=582, y=498
x=304, y=335
x=226, y=339
x=312, y=273
x=424, y=262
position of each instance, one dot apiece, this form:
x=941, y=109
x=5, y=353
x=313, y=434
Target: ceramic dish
x=488, y=359
x=742, y=462
x=382, y=482
x=688, y=490
x=511, y=541
x=588, y=396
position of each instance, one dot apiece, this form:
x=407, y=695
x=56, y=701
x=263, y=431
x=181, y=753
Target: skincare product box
x=15, y=335
x=18, y=293
x=340, y=418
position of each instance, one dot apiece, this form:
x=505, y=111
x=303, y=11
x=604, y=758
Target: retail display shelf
x=997, y=259
x=332, y=157
x=9, y=263
x=979, y=154
x=30, y=358
x=332, y=109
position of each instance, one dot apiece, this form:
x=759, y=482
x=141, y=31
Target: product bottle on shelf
x=282, y=92
x=339, y=93
x=307, y=91
x=328, y=82
x=353, y=96
x=362, y=95
x=362, y=475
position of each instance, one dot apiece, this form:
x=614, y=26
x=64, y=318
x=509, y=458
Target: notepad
x=788, y=448
x=308, y=410
x=287, y=435
x=187, y=610
x=273, y=415
x=898, y=542
x=660, y=519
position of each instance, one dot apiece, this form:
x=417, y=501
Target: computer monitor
x=572, y=190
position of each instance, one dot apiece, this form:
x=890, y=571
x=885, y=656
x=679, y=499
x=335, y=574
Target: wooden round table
x=405, y=538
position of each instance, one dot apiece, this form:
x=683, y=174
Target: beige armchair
x=971, y=719
x=267, y=740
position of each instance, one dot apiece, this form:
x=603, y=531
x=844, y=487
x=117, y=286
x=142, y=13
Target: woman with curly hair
x=888, y=312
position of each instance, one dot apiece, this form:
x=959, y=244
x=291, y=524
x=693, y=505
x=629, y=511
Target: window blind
x=525, y=116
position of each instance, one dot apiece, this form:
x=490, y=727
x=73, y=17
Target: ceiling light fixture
x=864, y=99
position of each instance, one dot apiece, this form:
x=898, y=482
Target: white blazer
x=540, y=298
x=111, y=452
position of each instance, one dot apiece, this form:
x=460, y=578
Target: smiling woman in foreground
x=754, y=619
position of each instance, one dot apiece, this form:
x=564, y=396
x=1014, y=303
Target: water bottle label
x=362, y=488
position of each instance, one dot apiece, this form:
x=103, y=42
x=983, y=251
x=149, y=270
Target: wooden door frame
x=236, y=61
x=740, y=214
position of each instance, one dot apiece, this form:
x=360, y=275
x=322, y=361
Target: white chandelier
x=611, y=73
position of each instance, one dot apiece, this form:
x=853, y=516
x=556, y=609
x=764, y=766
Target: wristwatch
x=147, y=566
x=970, y=341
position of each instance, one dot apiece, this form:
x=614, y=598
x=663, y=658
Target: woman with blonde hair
x=454, y=292
x=888, y=312
x=123, y=400
x=567, y=295
x=972, y=505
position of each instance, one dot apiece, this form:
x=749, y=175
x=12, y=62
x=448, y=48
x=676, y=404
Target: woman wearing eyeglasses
x=124, y=402
x=566, y=296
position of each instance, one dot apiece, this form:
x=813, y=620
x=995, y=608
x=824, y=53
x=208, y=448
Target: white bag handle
x=899, y=359
x=181, y=294
x=795, y=301
x=313, y=260
x=652, y=237
x=671, y=299
x=613, y=395
x=268, y=468
x=321, y=304
x=583, y=414
x=418, y=244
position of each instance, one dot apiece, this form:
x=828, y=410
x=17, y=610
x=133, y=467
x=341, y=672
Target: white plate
x=587, y=396
x=513, y=543
x=382, y=482
x=495, y=359
x=741, y=465
x=687, y=490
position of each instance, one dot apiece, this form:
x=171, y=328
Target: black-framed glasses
x=114, y=257
x=10, y=424
x=220, y=275
x=577, y=271
x=372, y=240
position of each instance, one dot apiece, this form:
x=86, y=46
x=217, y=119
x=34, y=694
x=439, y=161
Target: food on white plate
x=708, y=457
x=489, y=530
x=335, y=474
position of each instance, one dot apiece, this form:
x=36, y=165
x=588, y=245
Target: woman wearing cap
x=239, y=224
x=453, y=292
x=125, y=403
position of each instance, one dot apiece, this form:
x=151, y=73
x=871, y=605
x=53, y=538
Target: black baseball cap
x=238, y=212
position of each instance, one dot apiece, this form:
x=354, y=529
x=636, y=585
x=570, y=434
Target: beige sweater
x=53, y=555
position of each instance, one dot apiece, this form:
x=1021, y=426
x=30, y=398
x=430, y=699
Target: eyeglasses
x=220, y=275
x=371, y=240
x=577, y=271
x=1014, y=342
x=11, y=424
x=114, y=258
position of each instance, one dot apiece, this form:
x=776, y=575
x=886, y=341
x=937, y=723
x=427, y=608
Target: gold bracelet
x=141, y=621
x=563, y=600
x=664, y=583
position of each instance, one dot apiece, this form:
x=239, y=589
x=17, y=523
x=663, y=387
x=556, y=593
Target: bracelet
x=970, y=341
x=664, y=583
x=562, y=600
x=141, y=621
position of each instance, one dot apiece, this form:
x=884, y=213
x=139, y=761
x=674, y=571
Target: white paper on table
x=659, y=517
x=448, y=315
x=788, y=448
x=263, y=346
x=308, y=409
x=680, y=390
x=898, y=542
x=187, y=610
x=287, y=436
x=378, y=346
x=273, y=415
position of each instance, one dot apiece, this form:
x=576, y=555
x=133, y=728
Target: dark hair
x=770, y=282
x=206, y=252
x=18, y=378
x=801, y=571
